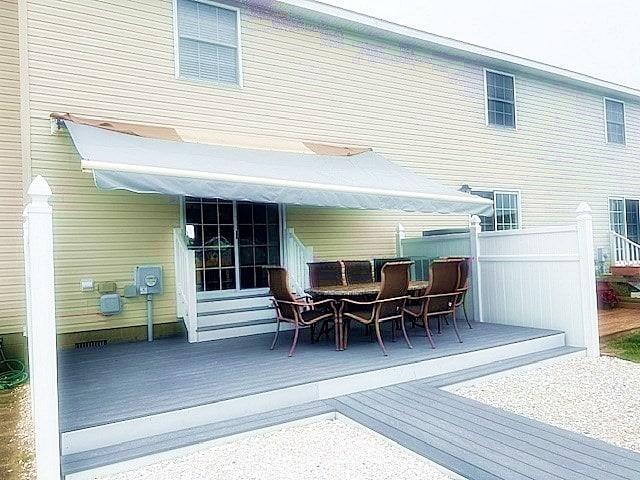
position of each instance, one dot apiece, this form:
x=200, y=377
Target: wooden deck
x=124, y=405
x=471, y=439
x=618, y=320
x=118, y=382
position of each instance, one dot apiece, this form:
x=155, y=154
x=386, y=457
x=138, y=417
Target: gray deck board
x=183, y=438
x=117, y=382
x=474, y=444
x=478, y=412
x=460, y=376
x=505, y=443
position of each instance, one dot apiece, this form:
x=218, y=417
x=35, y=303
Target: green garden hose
x=12, y=372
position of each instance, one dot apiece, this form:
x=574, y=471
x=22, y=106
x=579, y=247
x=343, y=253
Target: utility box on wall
x=148, y=279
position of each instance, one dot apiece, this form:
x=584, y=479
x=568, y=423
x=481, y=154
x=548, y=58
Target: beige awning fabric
x=151, y=160
x=209, y=137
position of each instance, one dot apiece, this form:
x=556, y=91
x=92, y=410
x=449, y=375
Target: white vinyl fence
x=541, y=278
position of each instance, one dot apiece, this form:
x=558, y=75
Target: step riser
x=231, y=332
x=115, y=433
x=230, y=318
x=211, y=306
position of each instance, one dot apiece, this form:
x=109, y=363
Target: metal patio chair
x=325, y=274
x=297, y=312
x=358, y=271
x=440, y=298
x=463, y=286
x=388, y=305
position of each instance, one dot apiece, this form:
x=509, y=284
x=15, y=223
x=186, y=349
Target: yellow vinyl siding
x=102, y=235
x=115, y=60
x=12, y=307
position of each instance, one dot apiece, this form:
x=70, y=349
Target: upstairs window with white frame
x=506, y=211
x=208, y=42
x=614, y=112
x=501, y=99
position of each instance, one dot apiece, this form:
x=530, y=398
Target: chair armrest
x=437, y=295
x=303, y=304
x=374, y=302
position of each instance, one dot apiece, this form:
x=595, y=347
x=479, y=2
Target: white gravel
x=597, y=397
x=328, y=449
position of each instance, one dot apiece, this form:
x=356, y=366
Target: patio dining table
x=337, y=292
x=358, y=289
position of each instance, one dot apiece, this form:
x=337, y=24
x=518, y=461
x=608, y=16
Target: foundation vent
x=91, y=343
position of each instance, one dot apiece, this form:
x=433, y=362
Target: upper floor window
x=501, y=99
x=614, y=112
x=506, y=211
x=208, y=45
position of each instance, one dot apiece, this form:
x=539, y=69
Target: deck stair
x=155, y=447
x=234, y=316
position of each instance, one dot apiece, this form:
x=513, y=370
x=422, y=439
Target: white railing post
x=41, y=329
x=400, y=235
x=476, y=281
x=186, y=301
x=298, y=255
x=190, y=294
x=587, y=285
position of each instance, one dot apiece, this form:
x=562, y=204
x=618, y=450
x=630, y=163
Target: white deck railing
x=298, y=255
x=186, y=306
x=624, y=252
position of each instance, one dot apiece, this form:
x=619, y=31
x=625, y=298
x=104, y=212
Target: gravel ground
x=24, y=434
x=329, y=449
x=597, y=397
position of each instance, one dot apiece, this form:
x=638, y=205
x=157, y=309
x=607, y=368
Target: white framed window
x=506, y=210
x=624, y=217
x=614, y=121
x=207, y=42
x=500, y=92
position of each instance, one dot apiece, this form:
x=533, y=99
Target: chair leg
x=427, y=332
x=379, y=337
x=345, y=333
x=455, y=326
x=312, y=331
x=439, y=329
x=404, y=332
x=466, y=317
x=275, y=339
x=295, y=340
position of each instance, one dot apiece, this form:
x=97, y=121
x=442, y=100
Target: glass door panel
x=259, y=242
x=213, y=242
x=633, y=220
x=224, y=260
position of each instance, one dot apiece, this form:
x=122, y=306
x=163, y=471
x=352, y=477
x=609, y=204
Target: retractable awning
x=351, y=178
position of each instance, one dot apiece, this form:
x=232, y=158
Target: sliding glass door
x=232, y=242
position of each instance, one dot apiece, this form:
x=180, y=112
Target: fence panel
x=541, y=278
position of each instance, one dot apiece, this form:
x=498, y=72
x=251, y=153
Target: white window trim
x=624, y=210
x=486, y=100
x=176, y=46
x=518, y=193
x=624, y=121
x=507, y=192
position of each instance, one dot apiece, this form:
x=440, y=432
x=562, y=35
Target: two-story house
x=289, y=77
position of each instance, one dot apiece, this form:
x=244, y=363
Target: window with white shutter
x=207, y=42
